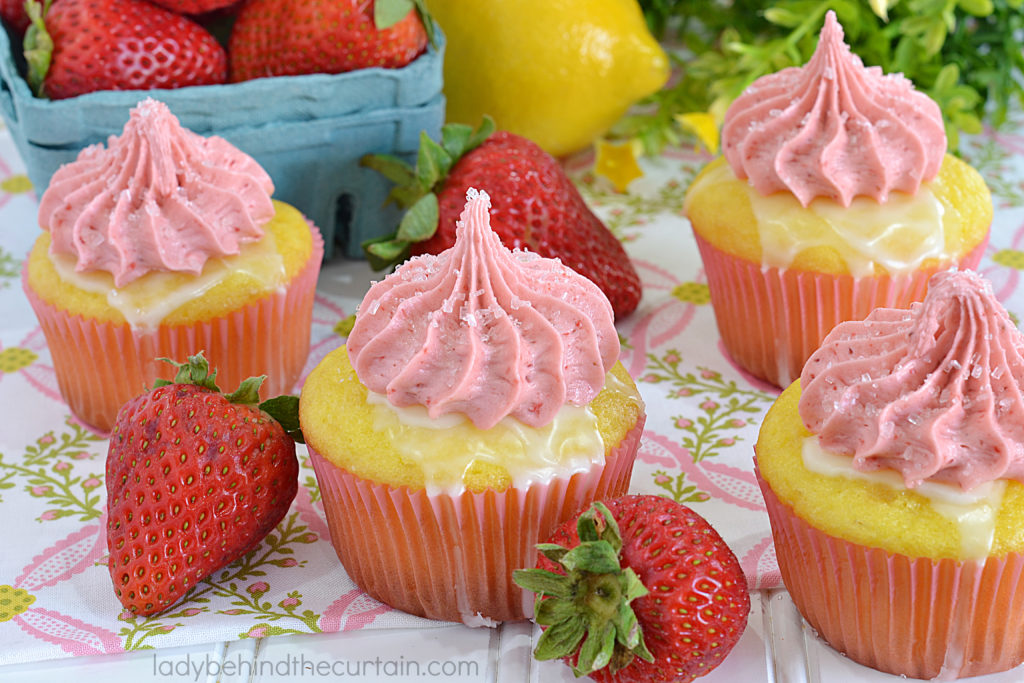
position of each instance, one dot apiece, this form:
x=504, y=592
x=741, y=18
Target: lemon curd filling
x=147, y=301
x=973, y=512
x=224, y=285
x=899, y=239
x=941, y=222
x=447, y=447
x=365, y=435
x=936, y=521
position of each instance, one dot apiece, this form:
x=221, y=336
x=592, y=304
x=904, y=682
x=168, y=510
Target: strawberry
x=80, y=46
x=195, y=479
x=290, y=37
x=14, y=15
x=534, y=206
x=193, y=6
x=646, y=584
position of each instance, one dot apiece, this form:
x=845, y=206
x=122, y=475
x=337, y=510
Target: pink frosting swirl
x=834, y=128
x=158, y=197
x=484, y=331
x=936, y=392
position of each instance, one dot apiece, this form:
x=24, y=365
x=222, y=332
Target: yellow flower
x=16, y=184
x=692, y=293
x=617, y=161
x=14, y=358
x=14, y=601
x=703, y=125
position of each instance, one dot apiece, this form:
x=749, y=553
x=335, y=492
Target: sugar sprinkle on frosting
x=834, y=128
x=935, y=392
x=483, y=331
x=156, y=198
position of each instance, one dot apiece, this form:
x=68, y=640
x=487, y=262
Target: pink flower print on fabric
x=352, y=611
x=647, y=330
x=723, y=482
x=68, y=557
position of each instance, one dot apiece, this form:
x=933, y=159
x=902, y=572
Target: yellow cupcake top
x=364, y=434
x=943, y=221
x=224, y=284
x=877, y=511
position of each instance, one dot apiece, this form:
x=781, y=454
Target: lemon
x=559, y=72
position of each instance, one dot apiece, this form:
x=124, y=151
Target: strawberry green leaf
x=552, y=551
x=487, y=126
x=387, y=13
x=381, y=252
x=196, y=370
x=596, y=557
x=554, y=611
x=248, y=392
x=432, y=163
x=37, y=46
x=285, y=409
x=455, y=137
x=428, y=23
x=391, y=167
x=560, y=640
x=543, y=582
x=597, y=650
x=419, y=222
x=632, y=587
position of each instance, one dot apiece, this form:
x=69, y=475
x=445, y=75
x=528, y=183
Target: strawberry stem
x=590, y=602
x=196, y=370
x=415, y=188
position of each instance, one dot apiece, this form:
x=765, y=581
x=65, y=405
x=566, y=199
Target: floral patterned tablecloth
x=703, y=415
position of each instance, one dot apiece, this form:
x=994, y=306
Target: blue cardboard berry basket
x=308, y=132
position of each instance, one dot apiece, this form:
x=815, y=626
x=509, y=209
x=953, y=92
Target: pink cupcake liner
x=101, y=365
x=451, y=557
x=772, y=319
x=909, y=616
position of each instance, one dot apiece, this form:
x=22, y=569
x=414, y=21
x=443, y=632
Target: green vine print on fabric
x=9, y=268
x=275, y=549
x=48, y=472
x=723, y=410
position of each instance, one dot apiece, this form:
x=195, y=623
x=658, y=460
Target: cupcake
x=892, y=472
x=835, y=196
x=164, y=243
x=478, y=403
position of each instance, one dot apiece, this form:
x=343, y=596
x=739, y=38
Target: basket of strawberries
x=306, y=87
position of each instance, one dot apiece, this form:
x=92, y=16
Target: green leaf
x=554, y=610
x=248, y=392
x=978, y=8
x=432, y=163
x=632, y=587
x=552, y=551
x=420, y=222
x=455, y=137
x=37, y=45
x=383, y=252
x=597, y=651
x=543, y=582
x=559, y=640
x=285, y=409
x=627, y=628
x=596, y=557
x=195, y=370
x=484, y=131
x=391, y=167
x=387, y=13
